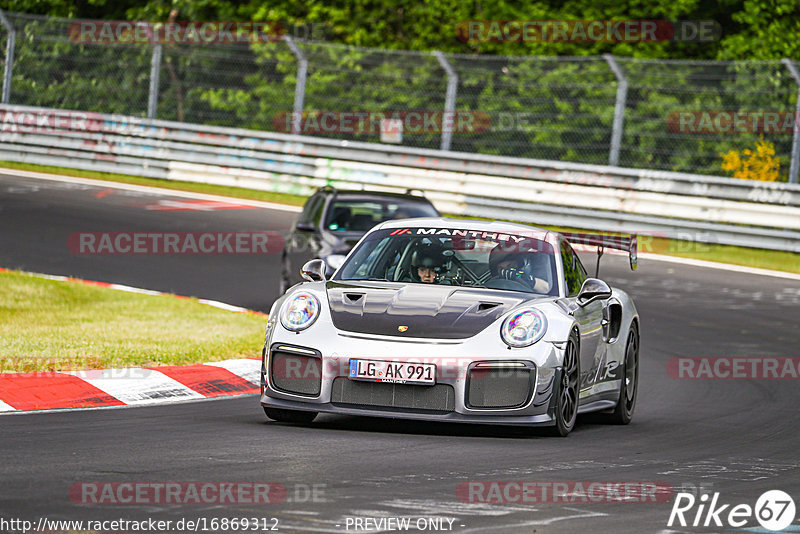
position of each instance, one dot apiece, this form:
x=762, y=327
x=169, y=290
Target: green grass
x=775, y=260
x=48, y=325
x=749, y=257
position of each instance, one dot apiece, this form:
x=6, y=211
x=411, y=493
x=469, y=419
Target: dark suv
x=334, y=220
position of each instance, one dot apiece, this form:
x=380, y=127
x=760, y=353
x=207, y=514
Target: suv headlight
x=523, y=328
x=299, y=312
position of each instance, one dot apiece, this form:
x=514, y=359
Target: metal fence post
x=155, y=78
x=300, y=84
x=449, y=100
x=11, y=42
x=619, y=109
x=794, y=166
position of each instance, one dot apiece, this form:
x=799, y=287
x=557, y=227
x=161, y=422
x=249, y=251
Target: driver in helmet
x=427, y=263
x=520, y=266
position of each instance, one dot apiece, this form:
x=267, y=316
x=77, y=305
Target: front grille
x=295, y=373
x=436, y=398
x=499, y=387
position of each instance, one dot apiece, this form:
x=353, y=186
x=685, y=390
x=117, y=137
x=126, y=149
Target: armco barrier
x=703, y=208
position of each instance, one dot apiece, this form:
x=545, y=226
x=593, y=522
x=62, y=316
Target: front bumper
x=323, y=385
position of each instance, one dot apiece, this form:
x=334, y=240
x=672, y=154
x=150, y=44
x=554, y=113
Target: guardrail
x=684, y=206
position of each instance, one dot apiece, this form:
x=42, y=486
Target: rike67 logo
x=774, y=510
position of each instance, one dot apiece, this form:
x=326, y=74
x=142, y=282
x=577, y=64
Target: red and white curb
x=129, y=386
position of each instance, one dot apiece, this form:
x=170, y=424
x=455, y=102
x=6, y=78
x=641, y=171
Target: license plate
x=393, y=372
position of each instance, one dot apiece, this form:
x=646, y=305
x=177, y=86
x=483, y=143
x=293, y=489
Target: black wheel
x=623, y=412
x=289, y=416
x=567, y=400
x=284, y=283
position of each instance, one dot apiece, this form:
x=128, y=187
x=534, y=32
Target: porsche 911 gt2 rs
x=455, y=320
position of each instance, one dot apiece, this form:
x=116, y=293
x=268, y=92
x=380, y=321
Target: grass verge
x=748, y=257
x=237, y=192
x=48, y=325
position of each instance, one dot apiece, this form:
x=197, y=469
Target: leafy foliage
x=543, y=99
x=758, y=164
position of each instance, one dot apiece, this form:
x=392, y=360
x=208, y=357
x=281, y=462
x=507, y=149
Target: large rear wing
x=604, y=241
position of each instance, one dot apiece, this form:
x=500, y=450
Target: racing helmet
x=501, y=253
x=429, y=255
x=530, y=266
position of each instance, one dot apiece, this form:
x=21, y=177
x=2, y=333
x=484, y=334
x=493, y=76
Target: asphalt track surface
x=736, y=437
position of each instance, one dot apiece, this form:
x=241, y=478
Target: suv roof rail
x=417, y=192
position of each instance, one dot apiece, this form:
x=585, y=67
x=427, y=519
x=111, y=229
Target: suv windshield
x=361, y=215
x=454, y=257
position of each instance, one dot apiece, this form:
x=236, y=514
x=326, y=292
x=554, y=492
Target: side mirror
x=314, y=271
x=305, y=226
x=593, y=289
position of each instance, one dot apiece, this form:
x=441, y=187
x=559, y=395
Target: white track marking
x=415, y=507
x=137, y=386
x=224, y=306
x=250, y=370
x=129, y=289
x=5, y=407
x=56, y=277
x=139, y=290
x=582, y=514
x=148, y=189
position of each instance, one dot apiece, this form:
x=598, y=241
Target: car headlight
x=299, y=312
x=334, y=261
x=524, y=328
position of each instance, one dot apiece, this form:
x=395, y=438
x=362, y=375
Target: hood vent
x=485, y=306
x=353, y=297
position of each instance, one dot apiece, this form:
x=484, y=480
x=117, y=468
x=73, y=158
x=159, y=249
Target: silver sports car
x=455, y=320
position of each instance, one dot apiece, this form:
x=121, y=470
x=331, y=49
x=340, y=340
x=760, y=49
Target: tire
x=289, y=416
x=623, y=411
x=568, y=389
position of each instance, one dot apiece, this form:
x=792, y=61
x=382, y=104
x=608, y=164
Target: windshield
x=468, y=259
x=361, y=215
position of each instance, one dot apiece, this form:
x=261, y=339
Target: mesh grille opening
x=500, y=387
x=294, y=373
x=437, y=398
